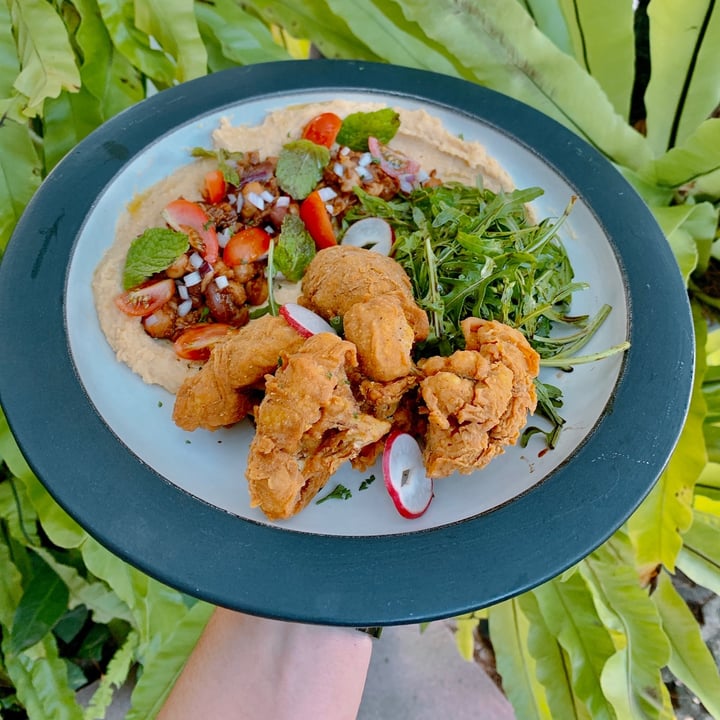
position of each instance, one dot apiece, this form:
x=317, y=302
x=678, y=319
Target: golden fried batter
x=338, y=277
x=477, y=399
x=218, y=395
x=307, y=425
x=383, y=337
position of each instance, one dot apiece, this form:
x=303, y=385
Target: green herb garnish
x=340, y=492
x=300, y=167
x=367, y=482
x=152, y=252
x=226, y=161
x=358, y=127
x=295, y=248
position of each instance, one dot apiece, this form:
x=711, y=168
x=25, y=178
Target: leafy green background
x=589, y=644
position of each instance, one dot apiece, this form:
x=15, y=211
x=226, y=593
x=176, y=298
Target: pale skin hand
x=249, y=668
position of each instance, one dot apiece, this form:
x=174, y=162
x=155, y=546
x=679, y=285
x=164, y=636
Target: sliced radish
x=305, y=321
x=372, y=233
x=405, y=478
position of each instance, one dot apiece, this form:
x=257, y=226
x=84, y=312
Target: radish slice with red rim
x=372, y=233
x=406, y=480
x=305, y=321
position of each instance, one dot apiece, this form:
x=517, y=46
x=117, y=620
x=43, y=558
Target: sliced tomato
x=246, y=246
x=146, y=300
x=197, y=341
x=215, y=186
x=182, y=214
x=317, y=221
x=323, y=129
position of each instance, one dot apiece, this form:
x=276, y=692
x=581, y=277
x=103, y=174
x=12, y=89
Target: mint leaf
x=358, y=127
x=300, y=167
x=295, y=248
x=152, y=252
x=229, y=171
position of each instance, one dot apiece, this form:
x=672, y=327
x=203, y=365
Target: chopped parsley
x=340, y=492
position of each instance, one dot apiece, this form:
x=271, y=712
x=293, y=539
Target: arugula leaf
x=295, y=248
x=152, y=252
x=358, y=127
x=300, y=167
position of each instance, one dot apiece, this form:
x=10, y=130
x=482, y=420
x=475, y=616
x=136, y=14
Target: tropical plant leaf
x=569, y=612
x=603, y=43
x=465, y=627
x=631, y=678
x=94, y=595
x=684, y=85
x=10, y=587
x=9, y=62
x=708, y=484
x=105, y=73
x=697, y=155
x=690, y=230
x=62, y=530
x=133, y=44
x=517, y=667
x=691, y=661
x=115, y=675
x=550, y=19
x=398, y=45
x=234, y=37
x=553, y=669
x=499, y=43
x=657, y=526
x=315, y=20
x=164, y=662
x=47, y=58
x=43, y=602
x=699, y=558
x=20, y=174
x=172, y=23
x=41, y=682
x=18, y=512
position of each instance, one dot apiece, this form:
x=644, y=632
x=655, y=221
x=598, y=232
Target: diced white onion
x=344, y=150
x=224, y=237
x=326, y=194
x=283, y=201
x=363, y=173
x=365, y=159
x=405, y=185
x=183, y=292
x=422, y=176
x=339, y=169
x=221, y=281
x=329, y=208
x=269, y=229
x=151, y=320
x=240, y=202
x=192, y=278
x=256, y=200
x=232, y=197
x=184, y=308
x=195, y=260
x=267, y=196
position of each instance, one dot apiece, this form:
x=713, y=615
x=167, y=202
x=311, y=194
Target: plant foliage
x=591, y=643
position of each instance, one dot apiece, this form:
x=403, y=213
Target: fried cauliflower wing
x=477, y=399
x=341, y=276
x=221, y=392
x=307, y=425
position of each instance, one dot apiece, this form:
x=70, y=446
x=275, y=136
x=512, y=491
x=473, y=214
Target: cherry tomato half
x=317, y=221
x=146, y=300
x=215, y=186
x=246, y=246
x=197, y=341
x=323, y=129
x=182, y=214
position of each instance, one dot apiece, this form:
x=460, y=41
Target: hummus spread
x=421, y=137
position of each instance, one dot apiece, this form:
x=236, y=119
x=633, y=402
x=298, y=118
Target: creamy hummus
x=421, y=137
